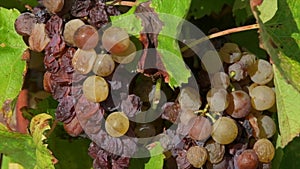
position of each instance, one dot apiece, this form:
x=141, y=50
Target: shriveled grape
x=262, y=97
x=104, y=65
x=86, y=37
x=225, y=130
x=264, y=150
x=53, y=6
x=215, y=150
x=267, y=126
x=24, y=24
x=189, y=99
x=38, y=39
x=95, y=89
x=217, y=99
x=239, y=104
x=115, y=40
x=220, y=80
x=261, y=72
x=247, y=160
x=197, y=156
x=83, y=60
x=116, y=124
x=69, y=30
x=230, y=53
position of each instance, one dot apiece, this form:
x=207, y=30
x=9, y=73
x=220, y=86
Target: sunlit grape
x=69, y=30
x=95, y=89
x=115, y=40
x=104, y=65
x=225, y=130
x=86, y=37
x=116, y=124
x=262, y=97
x=83, y=60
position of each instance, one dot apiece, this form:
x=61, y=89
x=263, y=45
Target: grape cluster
x=79, y=61
x=232, y=127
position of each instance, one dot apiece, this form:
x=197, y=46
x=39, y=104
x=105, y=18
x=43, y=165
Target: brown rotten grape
x=117, y=124
x=53, y=6
x=201, y=129
x=115, y=40
x=239, y=104
x=247, y=160
x=95, y=89
x=86, y=37
x=197, y=156
x=215, y=150
x=264, y=150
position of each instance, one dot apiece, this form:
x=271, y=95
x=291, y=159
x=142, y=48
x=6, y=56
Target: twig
x=54, y=124
x=218, y=34
x=123, y=3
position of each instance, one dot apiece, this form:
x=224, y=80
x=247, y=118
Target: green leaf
x=70, y=152
x=288, y=109
x=241, y=11
x=11, y=49
x=157, y=157
x=280, y=37
x=286, y=157
x=167, y=43
x=38, y=125
x=268, y=9
x=128, y=22
x=200, y=8
x=19, y=4
x=19, y=147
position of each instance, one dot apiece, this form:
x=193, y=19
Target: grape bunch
x=81, y=51
x=232, y=127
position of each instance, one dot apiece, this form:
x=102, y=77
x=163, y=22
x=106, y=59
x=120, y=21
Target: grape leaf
x=11, y=49
x=285, y=157
x=280, y=37
x=167, y=44
x=269, y=9
x=70, y=152
x=38, y=125
x=157, y=157
x=288, y=110
x=200, y=8
x=241, y=11
x=19, y=147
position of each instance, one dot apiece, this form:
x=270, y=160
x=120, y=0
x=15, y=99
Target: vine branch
x=123, y=3
x=218, y=34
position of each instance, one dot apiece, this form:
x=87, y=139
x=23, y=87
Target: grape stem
x=218, y=34
x=121, y=3
x=54, y=124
